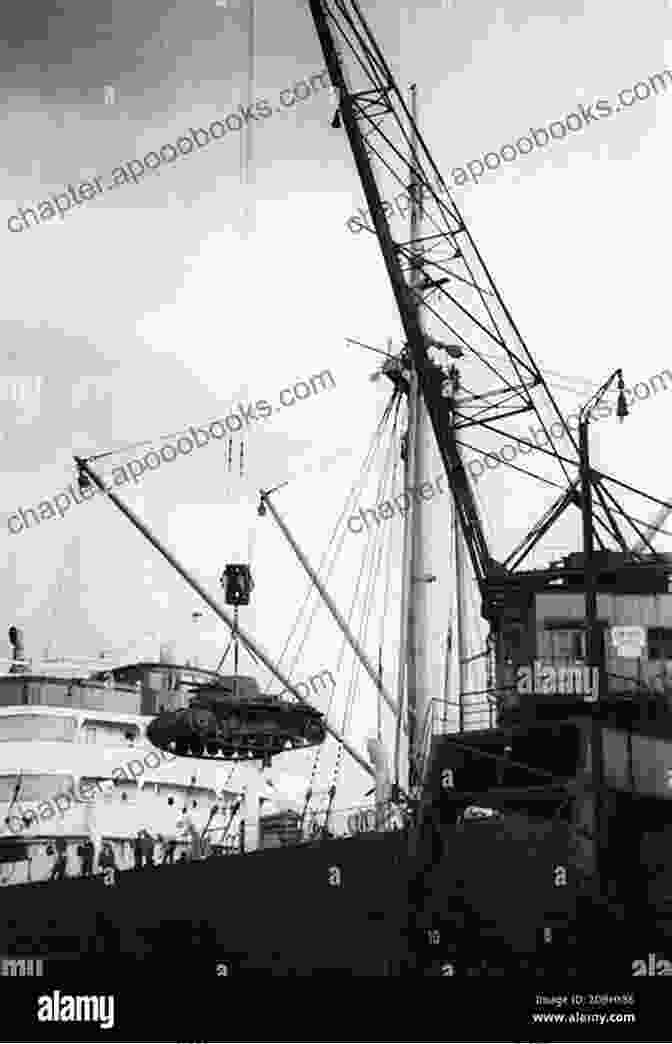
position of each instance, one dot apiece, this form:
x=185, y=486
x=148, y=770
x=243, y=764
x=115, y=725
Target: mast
x=417, y=416
x=424, y=668
x=407, y=571
x=459, y=623
x=407, y=680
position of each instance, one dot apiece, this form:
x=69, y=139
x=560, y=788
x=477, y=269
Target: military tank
x=232, y=719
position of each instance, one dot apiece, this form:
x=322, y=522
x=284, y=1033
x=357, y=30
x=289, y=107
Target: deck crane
x=445, y=292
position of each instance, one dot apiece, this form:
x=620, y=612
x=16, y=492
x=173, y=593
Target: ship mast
x=407, y=674
x=416, y=650
x=460, y=627
x=423, y=654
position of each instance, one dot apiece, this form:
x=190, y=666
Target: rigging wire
x=616, y=510
x=371, y=559
x=571, y=379
x=388, y=580
x=564, y=382
x=371, y=569
x=326, y=568
x=335, y=546
x=374, y=538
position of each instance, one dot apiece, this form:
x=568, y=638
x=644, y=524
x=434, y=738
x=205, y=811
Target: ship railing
x=318, y=825
x=85, y=666
x=442, y=717
x=60, y=666
x=352, y=821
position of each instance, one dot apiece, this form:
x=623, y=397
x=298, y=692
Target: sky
x=161, y=304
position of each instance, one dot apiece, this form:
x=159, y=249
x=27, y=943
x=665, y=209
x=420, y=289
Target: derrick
x=443, y=276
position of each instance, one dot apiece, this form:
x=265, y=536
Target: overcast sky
x=158, y=305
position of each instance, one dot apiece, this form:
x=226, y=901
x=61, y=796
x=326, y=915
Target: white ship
x=77, y=772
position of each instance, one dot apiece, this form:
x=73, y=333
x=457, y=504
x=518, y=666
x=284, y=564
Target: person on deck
x=147, y=847
x=169, y=846
x=58, y=870
x=86, y=853
x=107, y=860
x=137, y=850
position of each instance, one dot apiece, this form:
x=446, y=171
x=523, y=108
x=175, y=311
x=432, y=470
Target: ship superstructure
x=569, y=794
x=77, y=767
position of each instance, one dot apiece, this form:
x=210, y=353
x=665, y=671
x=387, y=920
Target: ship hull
x=333, y=906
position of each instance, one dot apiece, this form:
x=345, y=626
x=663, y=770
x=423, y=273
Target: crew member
x=87, y=852
x=58, y=870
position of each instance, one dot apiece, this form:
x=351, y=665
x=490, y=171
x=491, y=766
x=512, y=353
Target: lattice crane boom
x=460, y=300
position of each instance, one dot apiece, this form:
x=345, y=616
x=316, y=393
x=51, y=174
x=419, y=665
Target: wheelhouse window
x=568, y=643
x=563, y=641
x=184, y=795
x=109, y=732
x=660, y=643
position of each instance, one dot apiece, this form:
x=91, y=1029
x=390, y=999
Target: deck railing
x=26, y=690
x=61, y=666
x=441, y=719
x=317, y=825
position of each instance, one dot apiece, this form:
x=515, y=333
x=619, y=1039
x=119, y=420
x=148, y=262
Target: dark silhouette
x=58, y=870
x=86, y=853
x=107, y=860
x=144, y=849
x=169, y=846
x=138, y=850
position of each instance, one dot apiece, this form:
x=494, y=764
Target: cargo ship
x=521, y=783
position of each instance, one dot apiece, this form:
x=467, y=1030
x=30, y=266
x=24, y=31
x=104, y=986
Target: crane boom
x=430, y=377
x=452, y=284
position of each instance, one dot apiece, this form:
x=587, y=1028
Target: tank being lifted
x=231, y=719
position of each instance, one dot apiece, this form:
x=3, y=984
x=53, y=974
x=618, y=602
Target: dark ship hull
x=507, y=906
x=512, y=894
x=516, y=894
x=332, y=906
